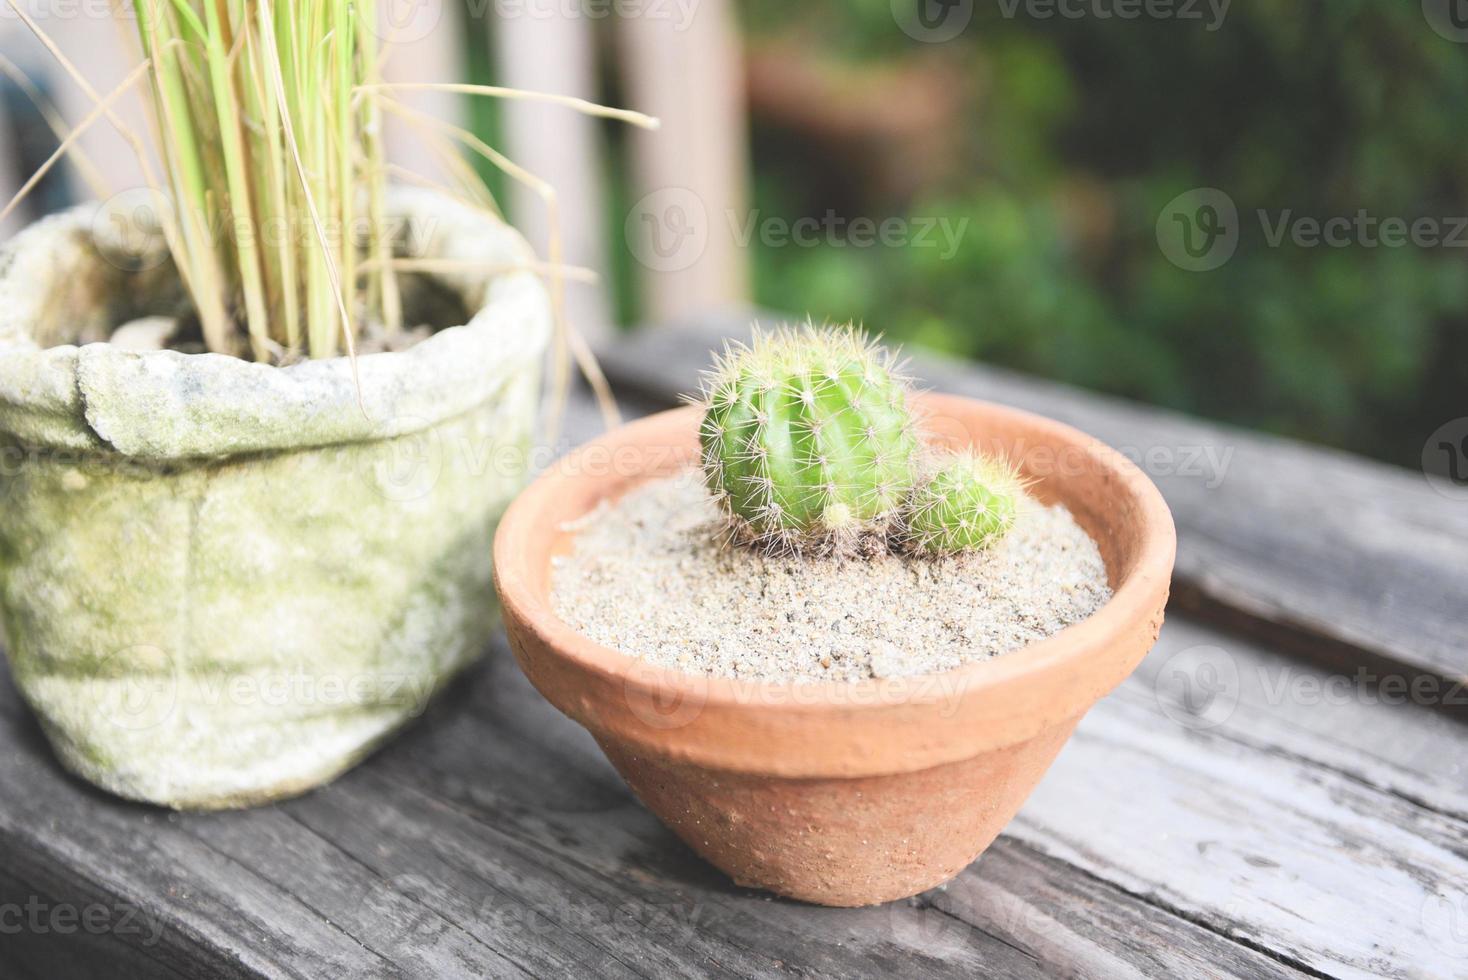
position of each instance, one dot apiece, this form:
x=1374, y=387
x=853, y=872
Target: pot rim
x=164, y=405
x=996, y=702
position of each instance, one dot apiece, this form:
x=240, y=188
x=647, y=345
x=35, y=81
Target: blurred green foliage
x=1074, y=136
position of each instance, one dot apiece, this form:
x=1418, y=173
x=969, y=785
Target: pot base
x=843, y=842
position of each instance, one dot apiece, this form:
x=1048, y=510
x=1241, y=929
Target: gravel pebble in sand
x=650, y=577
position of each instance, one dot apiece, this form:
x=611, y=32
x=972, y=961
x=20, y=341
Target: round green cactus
x=807, y=439
x=968, y=501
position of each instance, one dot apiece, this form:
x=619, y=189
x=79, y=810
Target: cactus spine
x=807, y=440
x=968, y=501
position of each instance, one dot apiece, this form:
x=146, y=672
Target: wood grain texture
x=1350, y=560
x=495, y=840
x=1252, y=831
x=1257, y=838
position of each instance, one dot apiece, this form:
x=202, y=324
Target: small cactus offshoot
x=968, y=501
x=808, y=441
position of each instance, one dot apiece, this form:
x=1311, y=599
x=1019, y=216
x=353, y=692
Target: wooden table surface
x=1280, y=790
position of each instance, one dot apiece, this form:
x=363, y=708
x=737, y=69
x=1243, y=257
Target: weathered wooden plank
x=42, y=937
x=1253, y=837
x=1370, y=728
x=622, y=842
x=1358, y=561
x=202, y=913
x=495, y=840
x=1338, y=781
x=1080, y=926
x=496, y=835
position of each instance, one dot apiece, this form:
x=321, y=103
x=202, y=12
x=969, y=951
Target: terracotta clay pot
x=840, y=793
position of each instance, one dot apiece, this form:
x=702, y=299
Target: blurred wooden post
x=551, y=52
x=9, y=184
x=421, y=42
x=103, y=48
x=9, y=179
x=690, y=177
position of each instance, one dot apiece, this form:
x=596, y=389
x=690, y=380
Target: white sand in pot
x=650, y=576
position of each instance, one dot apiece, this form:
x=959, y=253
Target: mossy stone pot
x=224, y=582
x=835, y=793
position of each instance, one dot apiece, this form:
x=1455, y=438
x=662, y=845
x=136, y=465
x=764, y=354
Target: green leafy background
x=1074, y=135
